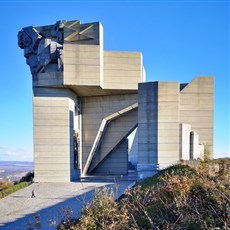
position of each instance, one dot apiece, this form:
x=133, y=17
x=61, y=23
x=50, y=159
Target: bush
x=179, y=170
x=28, y=177
x=189, y=201
x=179, y=198
x=103, y=212
x=5, y=184
x=14, y=188
x=207, y=153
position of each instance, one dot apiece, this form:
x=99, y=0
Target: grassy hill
x=179, y=197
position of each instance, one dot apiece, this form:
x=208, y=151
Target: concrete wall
x=122, y=70
x=116, y=162
x=87, y=65
x=147, y=129
x=94, y=109
x=196, y=149
x=48, y=79
x=117, y=130
x=185, y=130
x=196, y=108
x=164, y=109
x=147, y=123
x=53, y=138
x=83, y=64
x=158, y=122
x=168, y=122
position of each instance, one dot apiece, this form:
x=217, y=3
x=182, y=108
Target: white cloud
x=3, y=147
x=10, y=153
x=15, y=153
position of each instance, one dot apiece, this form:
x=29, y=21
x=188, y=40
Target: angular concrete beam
x=102, y=130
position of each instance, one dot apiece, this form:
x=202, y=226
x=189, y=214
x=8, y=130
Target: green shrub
x=14, y=188
x=207, y=153
x=5, y=184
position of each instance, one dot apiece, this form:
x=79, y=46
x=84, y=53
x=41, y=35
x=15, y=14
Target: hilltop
x=180, y=197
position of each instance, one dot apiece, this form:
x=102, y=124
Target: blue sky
x=178, y=39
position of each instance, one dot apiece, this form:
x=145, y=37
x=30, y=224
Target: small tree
x=28, y=177
x=207, y=153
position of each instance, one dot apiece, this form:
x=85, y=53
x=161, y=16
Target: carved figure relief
x=43, y=46
x=43, y=49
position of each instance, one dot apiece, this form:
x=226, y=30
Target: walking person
x=33, y=194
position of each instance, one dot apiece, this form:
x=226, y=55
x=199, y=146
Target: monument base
x=146, y=170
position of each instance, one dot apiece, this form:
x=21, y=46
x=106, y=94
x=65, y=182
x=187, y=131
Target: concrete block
x=185, y=130
x=198, y=111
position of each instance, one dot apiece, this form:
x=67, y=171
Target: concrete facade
x=53, y=120
x=116, y=163
x=175, y=122
x=185, y=130
x=86, y=102
x=196, y=108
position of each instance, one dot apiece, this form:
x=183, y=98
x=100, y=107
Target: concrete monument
x=86, y=102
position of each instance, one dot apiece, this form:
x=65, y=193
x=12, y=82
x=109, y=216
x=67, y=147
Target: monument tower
x=86, y=102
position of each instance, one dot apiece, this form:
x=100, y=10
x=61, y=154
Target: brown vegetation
x=180, y=197
x=5, y=184
x=7, y=187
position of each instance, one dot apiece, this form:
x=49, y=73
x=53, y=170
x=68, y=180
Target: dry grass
x=5, y=184
x=178, y=198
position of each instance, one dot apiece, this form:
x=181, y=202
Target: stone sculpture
x=86, y=102
x=43, y=51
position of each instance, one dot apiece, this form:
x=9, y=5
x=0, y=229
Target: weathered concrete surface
x=163, y=110
x=51, y=202
x=97, y=108
x=185, y=130
x=197, y=108
x=75, y=85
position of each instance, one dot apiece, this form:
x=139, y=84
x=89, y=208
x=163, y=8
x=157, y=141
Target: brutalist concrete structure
x=175, y=121
x=86, y=102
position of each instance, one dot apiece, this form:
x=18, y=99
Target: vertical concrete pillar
x=147, y=129
x=196, y=149
x=168, y=123
x=53, y=136
x=197, y=106
x=194, y=141
x=158, y=126
x=185, y=130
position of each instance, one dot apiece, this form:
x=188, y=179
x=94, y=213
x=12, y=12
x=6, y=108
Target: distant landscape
x=14, y=170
